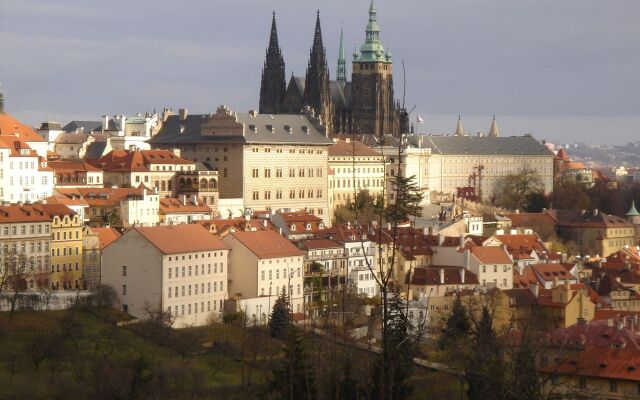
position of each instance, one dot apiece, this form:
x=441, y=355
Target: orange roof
x=522, y=242
x=299, y=216
x=171, y=205
x=575, y=165
x=22, y=133
x=549, y=272
x=267, y=244
x=102, y=196
x=73, y=166
x=525, y=280
x=342, y=148
x=185, y=238
x=137, y=160
x=313, y=244
x=491, y=254
x=605, y=363
x=32, y=212
x=528, y=220
x=106, y=236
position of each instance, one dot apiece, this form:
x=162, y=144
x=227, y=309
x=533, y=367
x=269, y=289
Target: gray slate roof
x=170, y=133
x=454, y=145
x=89, y=126
x=95, y=150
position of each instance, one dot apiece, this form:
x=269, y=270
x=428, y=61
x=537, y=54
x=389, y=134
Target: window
x=254, y=173
x=267, y=173
x=255, y=195
x=124, y=290
x=292, y=173
x=279, y=173
x=613, y=385
x=124, y=270
x=582, y=382
x=267, y=195
x=262, y=275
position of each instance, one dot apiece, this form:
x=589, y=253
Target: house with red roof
x=525, y=249
x=298, y=224
x=178, y=269
x=492, y=265
x=262, y=266
x=183, y=210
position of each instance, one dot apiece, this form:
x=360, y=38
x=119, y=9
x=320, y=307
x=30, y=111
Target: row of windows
x=23, y=229
x=202, y=255
x=64, y=234
x=33, y=245
x=175, y=312
x=291, y=150
x=358, y=170
x=505, y=268
x=278, y=290
x=187, y=271
x=310, y=172
x=65, y=267
x=21, y=165
x=185, y=290
x=346, y=183
x=284, y=274
x=65, y=251
x=301, y=193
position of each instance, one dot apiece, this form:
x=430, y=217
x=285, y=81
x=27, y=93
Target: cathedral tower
x=273, y=85
x=316, y=89
x=372, y=105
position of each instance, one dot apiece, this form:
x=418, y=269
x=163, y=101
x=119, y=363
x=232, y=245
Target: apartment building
x=183, y=210
x=25, y=239
x=72, y=174
x=272, y=162
x=119, y=207
x=155, y=169
x=179, y=269
x=297, y=225
x=492, y=265
x=24, y=174
x=262, y=265
x=355, y=167
x=94, y=240
x=66, y=247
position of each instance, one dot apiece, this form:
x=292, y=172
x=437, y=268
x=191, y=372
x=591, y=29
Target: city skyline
x=562, y=72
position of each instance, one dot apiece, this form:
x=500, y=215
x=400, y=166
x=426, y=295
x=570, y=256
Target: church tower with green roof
x=372, y=101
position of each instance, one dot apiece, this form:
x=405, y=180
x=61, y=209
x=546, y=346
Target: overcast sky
x=563, y=70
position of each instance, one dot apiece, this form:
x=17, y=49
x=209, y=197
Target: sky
x=562, y=70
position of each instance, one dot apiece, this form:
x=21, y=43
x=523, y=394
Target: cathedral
x=365, y=105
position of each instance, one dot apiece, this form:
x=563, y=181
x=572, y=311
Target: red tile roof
x=525, y=280
x=342, y=148
x=452, y=276
x=169, y=205
x=623, y=364
x=522, y=243
x=102, y=196
x=136, y=161
x=549, y=272
x=106, y=236
x=72, y=166
x=313, y=244
x=267, y=244
x=184, y=238
x=23, y=213
x=21, y=132
x=491, y=255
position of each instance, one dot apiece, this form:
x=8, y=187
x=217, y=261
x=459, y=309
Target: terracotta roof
x=23, y=133
x=549, y=272
x=313, y=244
x=623, y=364
x=528, y=220
x=136, y=161
x=184, y=238
x=522, y=242
x=491, y=255
x=106, y=236
x=102, y=196
x=61, y=199
x=342, y=148
x=522, y=297
x=562, y=155
x=171, y=205
x=299, y=216
x=33, y=212
x=588, y=219
x=574, y=165
x=72, y=166
x=452, y=276
x=219, y=226
x=615, y=314
x=267, y=244
x=525, y=280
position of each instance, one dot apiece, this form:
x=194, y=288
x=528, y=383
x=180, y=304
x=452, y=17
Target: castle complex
x=365, y=105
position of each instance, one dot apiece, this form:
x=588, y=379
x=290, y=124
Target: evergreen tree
x=280, y=317
x=526, y=385
x=401, y=354
x=457, y=326
x=293, y=379
x=407, y=199
x=485, y=370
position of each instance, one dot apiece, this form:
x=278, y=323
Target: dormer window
x=252, y=128
x=321, y=225
x=308, y=227
x=305, y=129
x=292, y=227
x=270, y=128
x=287, y=128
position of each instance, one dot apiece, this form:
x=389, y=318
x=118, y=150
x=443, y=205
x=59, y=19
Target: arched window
x=163, y=186
x=182, y=183
x=189, y=183
x=213, y=184
x=170, y=185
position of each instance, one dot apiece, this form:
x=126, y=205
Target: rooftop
x=267, y=244
x=184, y=238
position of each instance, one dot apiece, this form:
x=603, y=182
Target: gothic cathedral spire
x=316, y=88
x=273, y=84
x=341, y=72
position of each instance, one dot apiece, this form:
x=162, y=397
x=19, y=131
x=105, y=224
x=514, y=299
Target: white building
x=264, y=263
x=492, y=265
x=179, y=269
x=361, y=257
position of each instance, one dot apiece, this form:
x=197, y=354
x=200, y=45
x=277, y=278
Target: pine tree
x=280, y=317
x=402, y=351
x=526, y=385
x=457, y=326
x=293, y=379
x=407, y=201
x=485, y=369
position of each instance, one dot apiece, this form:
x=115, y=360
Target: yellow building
x=66, y=247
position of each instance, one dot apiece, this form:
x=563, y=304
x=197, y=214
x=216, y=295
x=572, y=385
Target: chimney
x=194, y=199
x=425, y=231
x=183, y=199
x=264, y=223
x=596, y=212
x=442, y=276
x=105, y=122
x=462, y=274
x=520, y=269
x=388, y=226
x=253, y=113
x=610, y=322
x=183, y=112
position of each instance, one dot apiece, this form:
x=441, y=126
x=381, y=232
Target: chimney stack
x=462, y=274
x=442, y=276
x=535, y=289
x=183, y=112
x=183, y=199
x=194, y=199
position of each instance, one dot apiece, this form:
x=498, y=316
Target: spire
x=317, y=37
x=633, y=212
x=459, y=130
x=273, y=84
x=316, y=88
x=273, y=39
x=372, y=50
x=341, y=72
x=494, y=131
